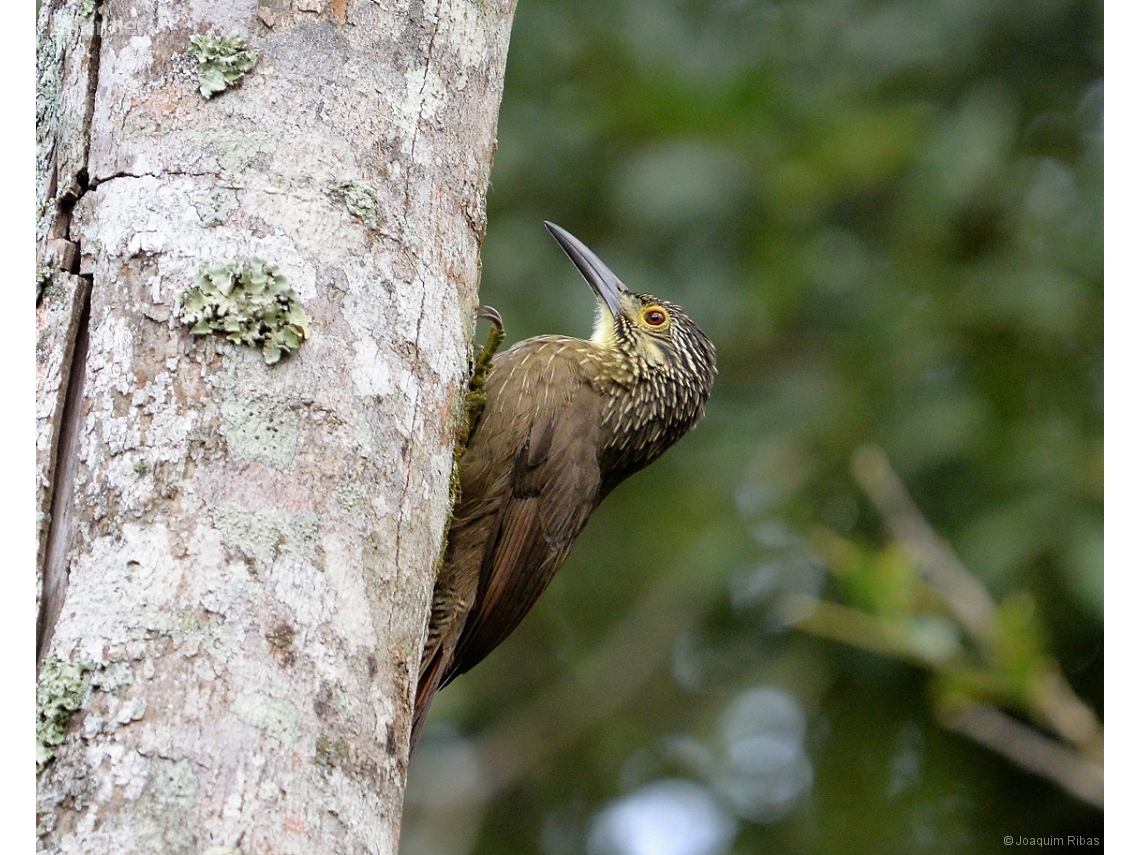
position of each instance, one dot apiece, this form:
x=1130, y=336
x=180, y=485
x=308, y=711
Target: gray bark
x=238, y=557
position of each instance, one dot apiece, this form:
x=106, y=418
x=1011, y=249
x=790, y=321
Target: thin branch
x=1081, y=776
x=966, y=597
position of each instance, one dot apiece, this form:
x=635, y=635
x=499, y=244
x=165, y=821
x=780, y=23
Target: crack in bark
x=99, y=182
x=58, y=538
x=93, y=75
x=79, y=184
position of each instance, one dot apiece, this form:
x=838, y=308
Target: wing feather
x=553, y=488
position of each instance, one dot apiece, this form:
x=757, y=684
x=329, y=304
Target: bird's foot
x=490, y=313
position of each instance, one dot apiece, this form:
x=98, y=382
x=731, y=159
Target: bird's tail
x=432, y=671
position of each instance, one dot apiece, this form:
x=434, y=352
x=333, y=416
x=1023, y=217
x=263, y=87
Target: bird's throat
x=605, y=333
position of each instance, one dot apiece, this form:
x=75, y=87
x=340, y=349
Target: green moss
x=222, y=61
x=477, y=385
x=474, y=403
x=360, y=199
x=250, y=303
x=60, y=691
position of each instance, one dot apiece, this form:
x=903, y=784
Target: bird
x=564, y=421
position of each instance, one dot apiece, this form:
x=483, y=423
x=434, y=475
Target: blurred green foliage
x=888, y=217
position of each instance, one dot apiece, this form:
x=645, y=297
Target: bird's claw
x=490, y=313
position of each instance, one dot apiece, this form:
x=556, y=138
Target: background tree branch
x=984, y=654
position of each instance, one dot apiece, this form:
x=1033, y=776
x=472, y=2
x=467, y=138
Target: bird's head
x=652, y=338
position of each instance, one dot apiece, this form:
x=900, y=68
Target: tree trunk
x=236, y=558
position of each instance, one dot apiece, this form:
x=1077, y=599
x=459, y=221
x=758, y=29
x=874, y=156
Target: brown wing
x=543, y=504
x=552, y=492
x=529, y=481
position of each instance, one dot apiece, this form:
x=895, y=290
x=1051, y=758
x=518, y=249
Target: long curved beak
x=605, y=284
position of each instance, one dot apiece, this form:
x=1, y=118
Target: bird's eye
x=655, y=316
